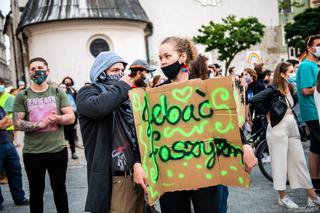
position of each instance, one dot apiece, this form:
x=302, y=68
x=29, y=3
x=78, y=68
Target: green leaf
x=230, y=37
x=305, y=24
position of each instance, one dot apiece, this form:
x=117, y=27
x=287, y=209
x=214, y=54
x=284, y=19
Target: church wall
x=66, y=45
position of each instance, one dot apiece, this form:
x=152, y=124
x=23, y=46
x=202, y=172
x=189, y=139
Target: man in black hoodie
x=110, y=141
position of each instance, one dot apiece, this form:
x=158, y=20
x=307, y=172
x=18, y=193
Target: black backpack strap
x=25, y=97
x=57, y=92
x=58, y=97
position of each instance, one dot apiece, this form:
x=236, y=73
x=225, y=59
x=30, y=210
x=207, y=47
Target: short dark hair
x=310, y=40
x=231, y=69
x=216, y=65
x=38, y=59
x=293, y=61
x=67, y=77
x=267, y=72
x=134, y=71
x=2, y=81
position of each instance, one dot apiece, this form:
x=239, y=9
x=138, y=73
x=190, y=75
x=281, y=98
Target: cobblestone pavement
x=260, y=198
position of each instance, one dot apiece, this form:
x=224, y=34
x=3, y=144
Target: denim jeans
x=10, y=163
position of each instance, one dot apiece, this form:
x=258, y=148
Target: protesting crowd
x=285, y=99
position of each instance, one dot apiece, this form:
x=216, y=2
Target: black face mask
x=266, y=82
x=171, y=71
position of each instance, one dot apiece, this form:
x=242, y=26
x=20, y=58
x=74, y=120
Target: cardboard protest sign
x=189, y=136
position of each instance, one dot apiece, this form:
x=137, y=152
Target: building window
x=98, y=45
x=292, y=52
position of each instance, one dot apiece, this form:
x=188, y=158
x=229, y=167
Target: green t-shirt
x=37, y=106
x=306, y=77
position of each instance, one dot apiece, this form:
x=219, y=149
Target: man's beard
x=140, y=83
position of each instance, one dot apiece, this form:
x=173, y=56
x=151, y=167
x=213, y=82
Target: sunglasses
x=37, y=68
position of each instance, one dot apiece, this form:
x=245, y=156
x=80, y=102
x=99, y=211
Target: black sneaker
x=24, y=202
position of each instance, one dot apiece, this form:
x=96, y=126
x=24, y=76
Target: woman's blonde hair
x=183, y=45
x=280, y=82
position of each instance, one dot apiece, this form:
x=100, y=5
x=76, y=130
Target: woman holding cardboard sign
x=175, y=54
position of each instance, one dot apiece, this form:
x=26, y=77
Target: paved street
x=260, y=198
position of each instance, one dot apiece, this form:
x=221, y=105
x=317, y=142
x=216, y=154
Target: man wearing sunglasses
x=41, y=111
x=306, y=78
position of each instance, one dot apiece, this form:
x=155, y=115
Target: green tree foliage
x=230, y=37
x=286, y=4
x=305, y=24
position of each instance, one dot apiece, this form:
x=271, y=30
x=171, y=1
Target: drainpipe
x=148, y=33
x=14, y=53
x=22, y=57
x=146, y=38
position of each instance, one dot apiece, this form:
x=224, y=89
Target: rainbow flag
x=303, y=56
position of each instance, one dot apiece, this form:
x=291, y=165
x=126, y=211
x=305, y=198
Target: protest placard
x=189, y=136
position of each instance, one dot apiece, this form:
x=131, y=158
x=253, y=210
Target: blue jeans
x=10, y=163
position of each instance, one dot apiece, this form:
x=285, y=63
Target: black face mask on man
x=171, y=71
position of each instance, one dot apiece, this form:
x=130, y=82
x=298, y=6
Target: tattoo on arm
x=68, y=116
x=23, y=125
x=65, y=119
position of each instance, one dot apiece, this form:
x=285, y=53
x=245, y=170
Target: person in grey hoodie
x=116, y=180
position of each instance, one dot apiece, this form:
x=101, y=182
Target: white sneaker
x=288, y=203
x=315, y=201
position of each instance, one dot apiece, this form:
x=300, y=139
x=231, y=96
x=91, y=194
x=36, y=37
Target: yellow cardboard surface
x=189, y=136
